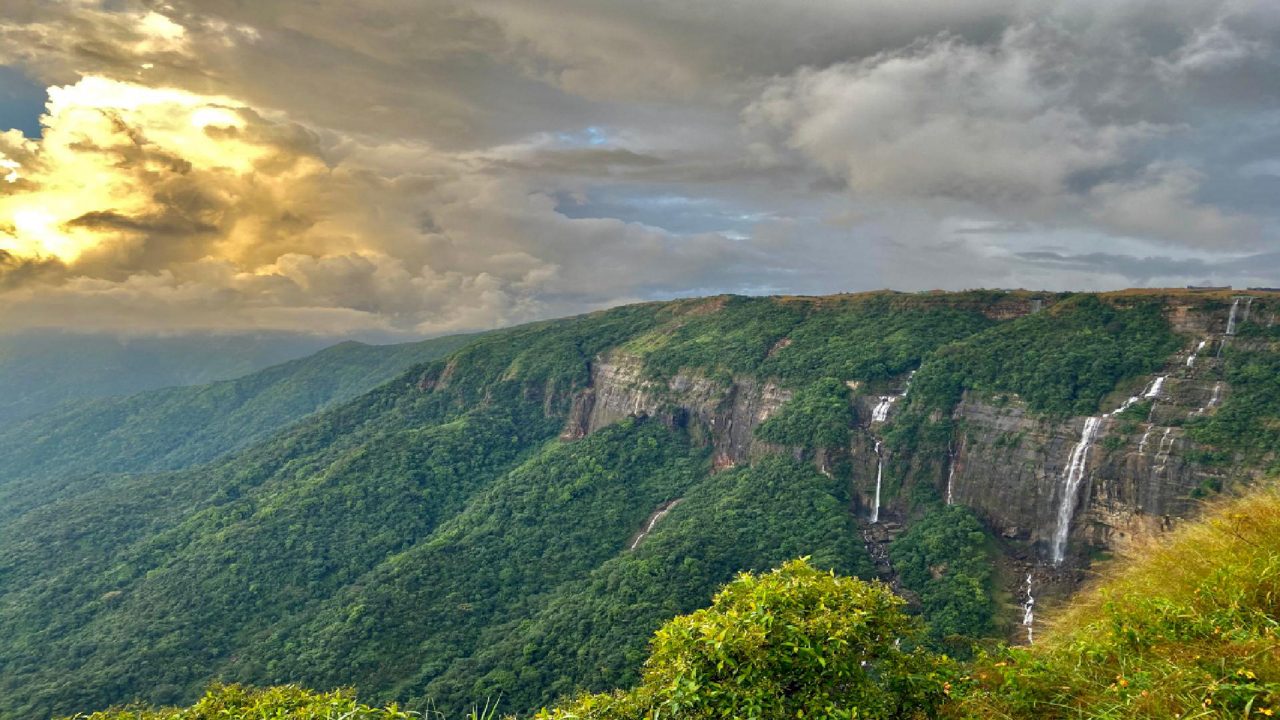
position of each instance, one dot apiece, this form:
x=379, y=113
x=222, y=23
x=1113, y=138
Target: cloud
x=944, y=119
x=141, y=201
x=436, y=165
x=1023, y=127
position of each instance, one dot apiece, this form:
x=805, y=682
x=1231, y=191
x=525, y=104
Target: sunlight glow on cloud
x=107, y=148
x=437, y=165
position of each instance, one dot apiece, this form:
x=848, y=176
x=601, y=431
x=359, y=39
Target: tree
x=792, y=643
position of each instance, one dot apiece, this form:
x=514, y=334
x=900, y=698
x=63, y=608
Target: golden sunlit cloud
x=116, y=157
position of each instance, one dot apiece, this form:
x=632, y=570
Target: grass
x=1186, y=627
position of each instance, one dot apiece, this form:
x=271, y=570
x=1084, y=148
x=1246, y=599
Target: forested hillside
x=517, y=518
x=1185, y=628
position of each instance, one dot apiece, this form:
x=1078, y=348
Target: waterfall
x=1142, y=444
x=1231, y=318
x=1248, y=304
x=1166, y=447
x=951, y=481
x=875, y=510
x=1213, y=401
x=662, y=511
x=1076, y=467
x=1191, y=359
x=1150, y=391
x=1029, y=613
x=881, y=411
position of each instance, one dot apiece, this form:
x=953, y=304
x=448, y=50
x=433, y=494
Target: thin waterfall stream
x=875, y=509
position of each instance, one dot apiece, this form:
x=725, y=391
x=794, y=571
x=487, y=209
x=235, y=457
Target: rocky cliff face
x=1011, y=466
x=728, y=415
x=1137, y=477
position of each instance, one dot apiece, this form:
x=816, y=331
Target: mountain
x=179, y=427
x=41, y=369
x=517, y=518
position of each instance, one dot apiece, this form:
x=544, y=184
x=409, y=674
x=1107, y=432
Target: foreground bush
x=793, y=643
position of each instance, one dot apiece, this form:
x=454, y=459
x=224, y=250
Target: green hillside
x=444, y=538
x=1185, y=627
x=181, y=427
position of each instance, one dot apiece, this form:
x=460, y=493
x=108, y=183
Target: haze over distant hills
x=39, y=370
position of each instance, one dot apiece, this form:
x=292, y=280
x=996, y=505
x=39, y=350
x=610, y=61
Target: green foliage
x=944, y=558
x=1062, y=361
x=550, y=520
x=795, y=642
x=591, y=633
x=431, y=541
x=870, y=339
x=1185, y=629
x=801, y=341
x=735, y=338
x=818, y=416
x=288, y=702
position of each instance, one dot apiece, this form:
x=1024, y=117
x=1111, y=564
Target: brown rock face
x=728, y=414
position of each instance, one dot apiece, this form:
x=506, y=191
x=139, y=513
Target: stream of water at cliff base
x=1029, y=613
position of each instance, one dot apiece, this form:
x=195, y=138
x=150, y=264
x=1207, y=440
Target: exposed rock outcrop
x=728, y=415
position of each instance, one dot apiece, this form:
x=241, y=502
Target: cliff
x=726, y=415
x=1138, y=472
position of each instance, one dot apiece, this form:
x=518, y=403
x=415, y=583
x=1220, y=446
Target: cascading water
x=1150, y=391
x=1191, y=359
x=1029, y=613
x=1213, y=401
x=1231, y=318
x=951, y=481
x=1142, y=444
x=875, y=509
x=1076, y=466
x=653, y=520
x=880, y=412
x=1166, y=447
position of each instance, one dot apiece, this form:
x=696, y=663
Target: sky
x=415, y=167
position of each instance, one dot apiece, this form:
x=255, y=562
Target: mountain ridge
x=351, y=531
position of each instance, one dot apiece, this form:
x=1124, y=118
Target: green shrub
x=793, y=643
x=285, y=702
